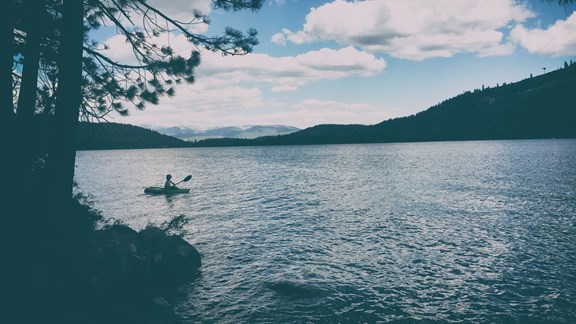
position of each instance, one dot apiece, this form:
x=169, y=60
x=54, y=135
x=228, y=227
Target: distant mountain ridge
x=248, y=132
x=537, y=107
x=109, y=136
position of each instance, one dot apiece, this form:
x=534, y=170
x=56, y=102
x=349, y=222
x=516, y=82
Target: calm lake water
x=422, y=232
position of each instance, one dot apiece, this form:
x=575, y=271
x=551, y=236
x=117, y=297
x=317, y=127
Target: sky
x=355, y=62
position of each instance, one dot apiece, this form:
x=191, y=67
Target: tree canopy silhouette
x=61, y=74
x=53, y=74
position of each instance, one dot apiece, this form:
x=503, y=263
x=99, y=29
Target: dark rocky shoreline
x=61, y=269
x=132, y=271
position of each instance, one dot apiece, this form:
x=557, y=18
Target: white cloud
x=119, y=50
x=344, y=61
x=181, y=9
x=413, y=29
x=201, y=104
x=289, y=73
x=314, y=112
x=556, y=40
x=284, y=73
x=230, y=90
x=206, y=106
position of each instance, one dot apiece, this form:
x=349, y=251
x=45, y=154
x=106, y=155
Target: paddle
x=185, y=179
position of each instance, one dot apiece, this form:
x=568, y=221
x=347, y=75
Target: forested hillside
x=95, y=136
x=537, y=107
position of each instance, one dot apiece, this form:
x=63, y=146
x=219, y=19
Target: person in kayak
x=169, y=185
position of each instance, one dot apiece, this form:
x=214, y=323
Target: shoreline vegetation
x=538, y=107
x=72, y=266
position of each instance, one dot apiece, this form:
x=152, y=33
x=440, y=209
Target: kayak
x=164, y=191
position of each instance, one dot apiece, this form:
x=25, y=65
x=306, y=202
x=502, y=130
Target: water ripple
x=479, y=232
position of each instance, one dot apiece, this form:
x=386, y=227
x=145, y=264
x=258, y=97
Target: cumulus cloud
x=314, y=112
x=229, y=84
x=289, y=73
x=556, y=40
x=243, y=106
x=285, y=73
x=343, y=61
x=182, y=10
x=121, y=51
x=413, y=29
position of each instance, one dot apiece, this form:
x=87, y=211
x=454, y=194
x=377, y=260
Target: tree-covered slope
x=97, y=136
x=538, y=107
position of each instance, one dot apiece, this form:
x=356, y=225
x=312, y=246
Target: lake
x=418, y=232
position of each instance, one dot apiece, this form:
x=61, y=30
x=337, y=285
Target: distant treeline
x=537, y=107
x=98, y=136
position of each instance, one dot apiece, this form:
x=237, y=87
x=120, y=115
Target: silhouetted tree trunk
x=27, y=96
x=7, y=41
x=8, y=142
x=62, y=155
x=24, y=153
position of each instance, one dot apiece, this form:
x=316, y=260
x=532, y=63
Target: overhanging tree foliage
x=155, y=69
x=58, y=72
